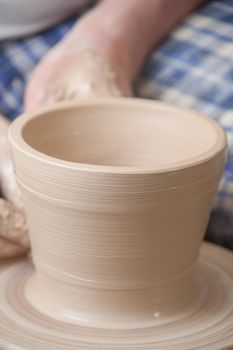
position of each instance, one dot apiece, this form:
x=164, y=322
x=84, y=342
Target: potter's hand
x=88, y=62
x=13, y=230
x=13, y=233
x=104, y=51
x=68, y=76
x=8, y=184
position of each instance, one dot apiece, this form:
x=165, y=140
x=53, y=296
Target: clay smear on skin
x=91, y=76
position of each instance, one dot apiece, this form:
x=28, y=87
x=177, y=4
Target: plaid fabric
x=193, y=68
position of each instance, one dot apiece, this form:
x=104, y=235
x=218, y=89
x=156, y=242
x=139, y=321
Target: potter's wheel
x=209, y=327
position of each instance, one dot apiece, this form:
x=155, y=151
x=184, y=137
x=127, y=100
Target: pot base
x=209, y=326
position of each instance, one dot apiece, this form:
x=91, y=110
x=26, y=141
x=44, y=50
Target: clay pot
x=118, y=194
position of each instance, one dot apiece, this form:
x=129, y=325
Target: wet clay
x=118, y=194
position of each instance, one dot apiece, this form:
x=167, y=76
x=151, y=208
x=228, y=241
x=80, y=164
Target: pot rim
x=16, y=139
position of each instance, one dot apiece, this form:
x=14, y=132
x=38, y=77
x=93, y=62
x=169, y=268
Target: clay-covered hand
x=8, y=184
x=13, y=231
x=68, y=75
x=88, y=62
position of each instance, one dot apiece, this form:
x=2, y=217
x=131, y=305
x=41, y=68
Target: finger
x=13, y=226
x=9, y=249
x=8, y=184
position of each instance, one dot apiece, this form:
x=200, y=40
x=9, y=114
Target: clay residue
x=91, y=76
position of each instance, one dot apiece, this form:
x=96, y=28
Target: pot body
x=118, y=195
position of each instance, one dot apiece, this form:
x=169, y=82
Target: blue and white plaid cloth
x=192, y=68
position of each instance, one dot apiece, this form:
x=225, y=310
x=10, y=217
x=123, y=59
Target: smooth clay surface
x=122, y=135
x=209, y=327
x=118, y=194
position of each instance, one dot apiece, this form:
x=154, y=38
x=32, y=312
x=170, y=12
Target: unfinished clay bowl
x=118, y=194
